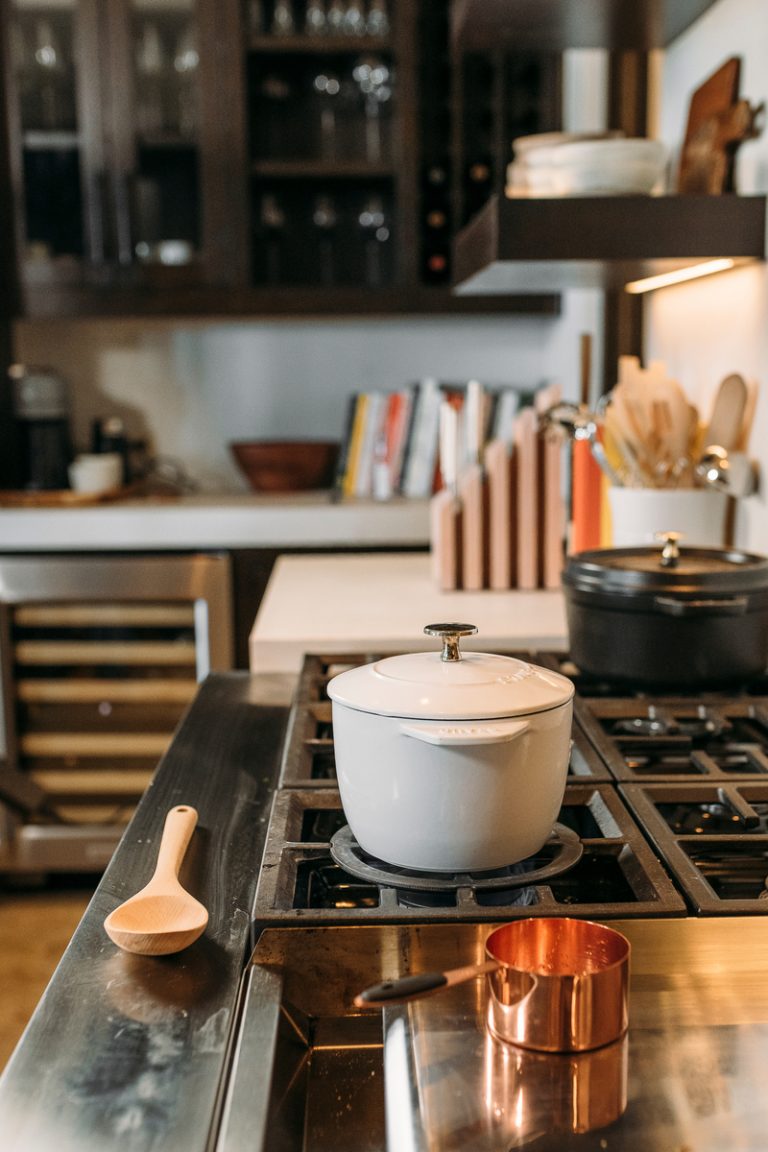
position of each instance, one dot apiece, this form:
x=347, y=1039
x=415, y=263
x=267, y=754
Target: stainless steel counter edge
x=126, y=1051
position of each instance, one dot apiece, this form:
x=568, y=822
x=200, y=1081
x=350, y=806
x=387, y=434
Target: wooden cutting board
x=68, y=498
x=56, y=498
x=706, y=164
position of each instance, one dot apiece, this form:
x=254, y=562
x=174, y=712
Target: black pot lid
x=670, y=567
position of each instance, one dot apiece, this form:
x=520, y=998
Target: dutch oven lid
x=450, y=686
x=668, y=568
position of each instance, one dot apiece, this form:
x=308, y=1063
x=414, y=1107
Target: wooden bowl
x=287, y=465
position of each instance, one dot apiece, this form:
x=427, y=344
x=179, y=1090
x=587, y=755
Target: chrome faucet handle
x=450, y=634
x=670, y=553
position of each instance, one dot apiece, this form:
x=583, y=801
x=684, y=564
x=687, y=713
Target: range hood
x=546, y=245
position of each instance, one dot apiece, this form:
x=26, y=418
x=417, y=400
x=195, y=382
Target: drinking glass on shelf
x=151, y=64
x=315, y=18
x=377, y=19
x=327, y=87
x=150, y=53
x=273, y=222
x=186, y=57
x=335, y=17
x=354, y=18
x=325, y=218
x=372, y=76
x=374, y=229
x=49, y=62
x=185, y=63
x=283, y=19
x=274, y=120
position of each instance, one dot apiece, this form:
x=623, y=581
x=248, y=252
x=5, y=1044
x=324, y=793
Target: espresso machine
x=41, y=428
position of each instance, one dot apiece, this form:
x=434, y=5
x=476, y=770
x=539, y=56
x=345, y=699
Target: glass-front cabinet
x=106, y=115
x=254, y=156
x=327, y=150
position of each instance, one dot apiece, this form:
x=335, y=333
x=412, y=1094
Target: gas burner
x=704, y=725
x=353, y=859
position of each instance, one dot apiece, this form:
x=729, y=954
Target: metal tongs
x=730, y=472
x=581, y=424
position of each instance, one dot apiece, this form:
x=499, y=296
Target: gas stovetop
x=665, y=814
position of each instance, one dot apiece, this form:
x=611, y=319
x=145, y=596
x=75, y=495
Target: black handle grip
x=403, y=989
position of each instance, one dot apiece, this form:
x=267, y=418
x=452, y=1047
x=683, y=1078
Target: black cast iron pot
x=670, y=617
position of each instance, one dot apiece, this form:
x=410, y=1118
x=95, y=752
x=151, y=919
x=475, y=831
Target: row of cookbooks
x=491, y=465
x=390, y=445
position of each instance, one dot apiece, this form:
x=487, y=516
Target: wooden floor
x=35, y=928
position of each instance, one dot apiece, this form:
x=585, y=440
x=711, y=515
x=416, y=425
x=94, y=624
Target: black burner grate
x=691, y=768
x=643, y=740
x=617, y=875
x=714, y=839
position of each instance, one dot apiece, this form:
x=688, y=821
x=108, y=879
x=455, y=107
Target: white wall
x=192, y=388
x=706, y=329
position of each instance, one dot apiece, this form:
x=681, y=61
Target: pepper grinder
x=109, y=435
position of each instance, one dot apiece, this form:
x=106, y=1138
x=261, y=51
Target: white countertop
x=381, y=603
x=313, y=520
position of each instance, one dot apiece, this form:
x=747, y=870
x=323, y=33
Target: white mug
x=638, y=514
x=97, y=472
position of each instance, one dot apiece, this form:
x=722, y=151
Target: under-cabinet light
x=649, y=283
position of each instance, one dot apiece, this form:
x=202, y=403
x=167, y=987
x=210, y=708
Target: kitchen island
x=178, y=1053
x=381, y=603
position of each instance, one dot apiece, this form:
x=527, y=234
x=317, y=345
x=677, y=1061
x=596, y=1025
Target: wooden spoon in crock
x=162, y=917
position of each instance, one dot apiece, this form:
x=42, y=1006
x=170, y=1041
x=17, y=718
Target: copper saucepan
x=554, y=984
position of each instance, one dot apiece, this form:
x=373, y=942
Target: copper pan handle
x=407, y=988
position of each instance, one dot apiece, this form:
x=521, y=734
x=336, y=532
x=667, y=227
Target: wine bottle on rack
x=435, y=224
x=478, y=184
x=436, y=265
x=435, y=182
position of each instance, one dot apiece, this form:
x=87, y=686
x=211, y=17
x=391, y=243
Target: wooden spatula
x=730, y=403
x=162, y=917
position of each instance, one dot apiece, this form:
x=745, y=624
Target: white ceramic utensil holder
x=638, y=514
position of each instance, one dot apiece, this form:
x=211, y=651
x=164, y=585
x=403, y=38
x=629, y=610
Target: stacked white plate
x=558, y=164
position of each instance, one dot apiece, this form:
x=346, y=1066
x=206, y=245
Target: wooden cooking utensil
x=700, y=155
x=162, y=917
x=727, y=418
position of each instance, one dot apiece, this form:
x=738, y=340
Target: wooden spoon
x=162, y=917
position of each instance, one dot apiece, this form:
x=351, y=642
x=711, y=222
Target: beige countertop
x=236, y=520
x=381, y=603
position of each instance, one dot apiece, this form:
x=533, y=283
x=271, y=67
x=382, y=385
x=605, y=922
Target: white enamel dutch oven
x=449, y=762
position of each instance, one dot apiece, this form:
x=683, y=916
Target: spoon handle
x=177, y=833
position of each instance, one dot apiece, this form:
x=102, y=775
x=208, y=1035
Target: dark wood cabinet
x=112, y=144
x=266, y=157
x=193, y=157
x=555, y=25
